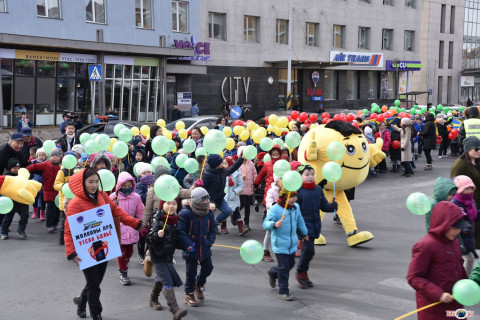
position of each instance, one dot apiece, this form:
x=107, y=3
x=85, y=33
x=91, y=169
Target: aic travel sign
x=365, y=59
x=201, y=49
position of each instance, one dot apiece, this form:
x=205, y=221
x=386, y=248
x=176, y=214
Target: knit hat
x=12, y=163
x=294, y=165
x=470, y=143
x=40, y=150
x=284, y=193
x=463, y=182
x=368, y=130
x=71, y=153
x=78, y=149
x=144, y=167
x=135, y=142
x=199, y=194
x=214, y=160
x=160, y=171
x=55, y=152
x=230, y=161
x=405, y=121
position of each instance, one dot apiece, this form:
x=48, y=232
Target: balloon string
x=286, y=204
x=176, y=173
x=203, y=167
x=334, y=211
x=418, y=310
x=221, y=245
x=166, y=219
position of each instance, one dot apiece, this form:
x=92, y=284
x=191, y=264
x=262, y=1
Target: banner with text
x=365, y=59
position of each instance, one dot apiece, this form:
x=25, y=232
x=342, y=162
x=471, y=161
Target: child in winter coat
x=13, y=166
x=285, y=221
x=190, y=178
x=385, y=136
x=177, y=172
x=39, y=204
x=267, y=172
x=395, y=154
x=249, y=174
x=464, y=200
x=139, y=157
x=311, y=200
x=197, y=232
x=443, y=190
x=145, y=179
x=130, y=202
x=49, y=170
x=162, y=241
x=436, y=263
x=271, y=200
x=234, y=185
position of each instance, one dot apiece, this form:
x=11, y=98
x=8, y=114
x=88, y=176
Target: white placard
x=467, y=81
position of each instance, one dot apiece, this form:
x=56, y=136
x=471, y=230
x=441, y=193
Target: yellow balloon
x=270, y=128
x=112, y=142
x=204, y=130
x=180, y=125
x=145, y=130
x=251, y=126
x=174, y=150
x=273, y=119
x=290, y=125
x=161, y=123
x=279, y=131
x=313, y=125
x=244, y=135
x=182, y=133
x=282, y=122
x=227, y=131
x=167, y=134
x=230, y=144
x=135, y=131
x=262, y=131
x=237, y=130
x=221, y=154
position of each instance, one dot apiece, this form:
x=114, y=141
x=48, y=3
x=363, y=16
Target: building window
x=409, y=40
x=440, y=90
x=3, y=6
x=143, y=14
x=330, y=85
x=440, y=55
x=251, y=28
x=388, y=85
x=442, y=19
x=367, y=1
x=372, y=85
x=352, y=85
x=450, y=55
x=216, y=25
x=410, y=3
x=449, y=90
x=311, y=34
x=387, y=39
x=282, y=31
x=363, y=38
x=48, y=9
x=338, y=36
x=388, y=2
x=95, y=11
x=452, y=20
x=179, y=16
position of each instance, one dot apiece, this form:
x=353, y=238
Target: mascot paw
x=357, y=238
x=320, y=241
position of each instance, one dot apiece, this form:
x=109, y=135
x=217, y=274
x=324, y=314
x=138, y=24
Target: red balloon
x=380, y=118
x=451, y=136
x=308, y=125
x=355, y=124
x=329, y=120
x=454, y=131
x=313, y=117
x=337, y=117
x=343, y=117
x=289, y=119
x=350, y=117
x=324, y=121
x=439, y=139
x=308, y=122
x=326, y=115
x=373, y=116
x=396, y=144
x=377, y=135
x=294, y=115
x=266, y=120
x=238, y=123
x=303, y=116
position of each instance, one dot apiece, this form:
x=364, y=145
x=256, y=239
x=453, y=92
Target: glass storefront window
x=136, y=72
x=134, y=100
x=142, y=116
x=24, y=67
x=118, y=71
x=65, y=69
x=352, y=77
x=388, y=85
x=66, y=93
x=109, y=71
x=46, y=68
x=372, y=85
x=128, y=72
x=330, y=85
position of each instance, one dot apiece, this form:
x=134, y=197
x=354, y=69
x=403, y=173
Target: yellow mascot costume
x=359, y=155
x=19, y=188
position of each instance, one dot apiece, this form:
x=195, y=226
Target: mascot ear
x=311, y=150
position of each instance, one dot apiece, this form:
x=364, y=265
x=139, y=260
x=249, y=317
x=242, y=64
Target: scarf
x=467, y=201
x=148, y=179
x=172, y=219
x=230, y=181
x=70, y=141
x=309, y=185
x=200, y=209
x=283, y=199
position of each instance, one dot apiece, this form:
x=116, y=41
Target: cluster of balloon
x=466, y=292
x=251, y=251
x=107, y=180
x=453, y=134
x=166, y=188
x=6, y=205
x=418, y=203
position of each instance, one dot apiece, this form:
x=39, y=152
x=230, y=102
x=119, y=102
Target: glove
x=198, y=183
x=402, y=149
x=19, y=188
x=323, y=183
x=191, y=247
x=335, y=205
x=143, y=231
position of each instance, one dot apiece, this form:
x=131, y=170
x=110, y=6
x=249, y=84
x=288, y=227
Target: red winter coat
x=437, y=263
x=49, y=173
x=267, y=171
x=81, y=202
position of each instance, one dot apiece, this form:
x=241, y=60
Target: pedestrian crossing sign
x=95, y=72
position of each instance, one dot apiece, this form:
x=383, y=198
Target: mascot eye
x=350, y=150
x=364, y=146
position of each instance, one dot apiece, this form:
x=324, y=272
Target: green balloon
x=251, y=251
x=91, y=147
x=279, y=142
x=201, y=152
x=466, y=292
x=126, y=135
x=189, y=145
x=280, y=167
x=415, y=106
x=94, y=135
x=365, y=111
x=412, y=111
x=103, y=141
x=48, y=146
x=335, y=150
x=250, y=152
x=180, y=160
x=69, y=161
x=191, y=165
x=266, y=158
x=292, y=180
x=118, y=128
x=396, y=103
x=266, y=144
x=135, y=168
x=403, y=110
x=332, y=171
x=67, y=192
x=156, y=162
x=6, y=205
x=164, y=162
x=107, y=180
x=84, y=137
x=439, y=107
x=432, y=110
x=292, y=140
x=423, y=109
x=57, y=201
x=419, y=203
x=214, y=141
x=171, y=145
x=166, y=188
x=160, y=145
x=445, y=110
x=461, y=109
x=120, y=149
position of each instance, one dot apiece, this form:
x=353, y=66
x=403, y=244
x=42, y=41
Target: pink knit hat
x=462, y=183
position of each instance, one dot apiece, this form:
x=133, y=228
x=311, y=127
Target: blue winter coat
x=142, y=190
x=202, y=230
x=284, y=239
x=214, y=181
x=311, y=201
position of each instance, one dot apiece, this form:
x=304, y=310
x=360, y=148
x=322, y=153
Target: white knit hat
x=143, y=167
x=40, y=150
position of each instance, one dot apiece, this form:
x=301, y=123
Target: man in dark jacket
x=12, y=149
x=69, y=139
x=429, y=137
x=443, y=132
x=176, y=114
x=29, y=141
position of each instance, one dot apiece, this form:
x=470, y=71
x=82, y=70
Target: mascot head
x=354, y=163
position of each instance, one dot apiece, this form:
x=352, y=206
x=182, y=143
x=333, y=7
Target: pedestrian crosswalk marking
x=331, y=313
x=377, y=299
x=398, y=283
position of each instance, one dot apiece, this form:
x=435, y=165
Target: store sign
x=467, y=81
x=315, y=94
x=55, y=56
x=365, y=59
x=184, y=98
x=201, y=49
x=246, y=86
x=394, y=65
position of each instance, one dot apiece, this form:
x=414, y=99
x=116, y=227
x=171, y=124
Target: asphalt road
x=37, y=282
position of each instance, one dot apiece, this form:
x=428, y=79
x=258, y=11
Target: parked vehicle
x=191, y=122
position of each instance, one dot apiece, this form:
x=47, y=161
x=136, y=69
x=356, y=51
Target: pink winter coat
x=250, y=177
x=131, y=204
x=272, y=195
x=385, y=135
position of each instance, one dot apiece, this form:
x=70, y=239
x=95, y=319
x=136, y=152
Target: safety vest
x=472, y=127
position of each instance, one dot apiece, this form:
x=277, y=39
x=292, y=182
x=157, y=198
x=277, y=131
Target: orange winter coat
x=81, y=203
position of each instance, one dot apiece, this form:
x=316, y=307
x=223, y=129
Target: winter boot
x=81, y=302
x=157, y=288
x=177, y=313
x=61, y=240
x=189, y=299
x=223, y=228
x=266, y=256
x=148, y=265
x=124, y=277
x=35, y=213
x=42, y=215
x=233, y=220
x=241, y=229
x=300, y=278
x=199, y=292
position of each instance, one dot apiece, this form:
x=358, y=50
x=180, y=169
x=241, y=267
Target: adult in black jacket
x=176, y=113
x=443, y=132
x=429, y=137
x=12, y=149
x=69, y=139
x=154, y=131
